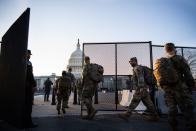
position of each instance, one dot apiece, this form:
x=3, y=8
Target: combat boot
x=146, y=112
x=92, y=114
x=59, y=112
x=63, y=110
x=85, y=117
x=124, y=116
x=152, y=118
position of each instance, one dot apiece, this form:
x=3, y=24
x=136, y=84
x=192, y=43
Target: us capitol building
x=75, y=62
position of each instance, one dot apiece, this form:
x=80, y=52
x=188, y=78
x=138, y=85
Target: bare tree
x=190, y=56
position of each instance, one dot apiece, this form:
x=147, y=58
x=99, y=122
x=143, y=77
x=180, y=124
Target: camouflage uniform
x=141, y=92
x=179, y=93
x=72, y=81
x=79, y=89
x=88, y=91
x=63, y=92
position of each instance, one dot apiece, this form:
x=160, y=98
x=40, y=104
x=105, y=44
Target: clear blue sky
x=55, y=25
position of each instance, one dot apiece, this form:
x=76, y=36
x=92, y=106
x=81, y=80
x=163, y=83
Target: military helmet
x=169, y=47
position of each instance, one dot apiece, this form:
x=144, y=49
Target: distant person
x=79, y=89
x=30, y=86
x=73, y=79
x=47, y=87
x=177, y=84
x=141, y=93
x=63, y=87
x=92, y=74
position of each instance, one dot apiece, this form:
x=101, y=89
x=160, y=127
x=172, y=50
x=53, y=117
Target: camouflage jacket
x=183, y=70
x=138, y=77
x=85, y=74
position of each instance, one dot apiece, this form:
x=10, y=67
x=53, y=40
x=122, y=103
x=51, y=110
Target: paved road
x=46, y=117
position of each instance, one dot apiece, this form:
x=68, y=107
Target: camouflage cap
x=169, y=47
x=86, y=58
x=133, y=59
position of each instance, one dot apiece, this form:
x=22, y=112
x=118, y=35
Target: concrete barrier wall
x=127, y=97
x=159, y=98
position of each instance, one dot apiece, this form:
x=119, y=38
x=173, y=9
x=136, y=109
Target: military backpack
x=95, y=72
x=64, y=83
x=149, y=76
x=164, y=72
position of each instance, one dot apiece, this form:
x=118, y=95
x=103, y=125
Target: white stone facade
x=75, y=62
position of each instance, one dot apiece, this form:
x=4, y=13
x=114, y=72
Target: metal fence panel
x=128, y=50
x=190, y=55
x=114, y=57
x=103, y=54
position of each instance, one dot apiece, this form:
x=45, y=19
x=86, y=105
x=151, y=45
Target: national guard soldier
x=63, y=86
x=88, y=90
x=29, y=92
x=47, y=87
x=180, y=92
x=141, y=93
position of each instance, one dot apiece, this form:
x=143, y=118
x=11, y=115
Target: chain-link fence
x=189, y=53
x=114, y=57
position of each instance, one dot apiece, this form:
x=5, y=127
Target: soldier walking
x=141, y=93
x=179, y=93
x=63, y=87
x=88, y=91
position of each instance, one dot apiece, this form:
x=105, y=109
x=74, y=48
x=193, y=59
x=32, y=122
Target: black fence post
x=152, y=93
x=116, y=92
x=53, y=97
x=75, y=95
x=96, y=96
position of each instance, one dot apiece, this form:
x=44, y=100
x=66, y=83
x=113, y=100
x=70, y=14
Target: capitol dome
x=75, y=61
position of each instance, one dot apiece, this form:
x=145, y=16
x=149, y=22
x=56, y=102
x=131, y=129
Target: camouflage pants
x=87, y=95
x=178, y=96
x=79, y=92
x=62, y=99
x=142, y=95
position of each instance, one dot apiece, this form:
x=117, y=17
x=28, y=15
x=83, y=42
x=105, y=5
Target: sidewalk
x=45, y=115
x=45, y=109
